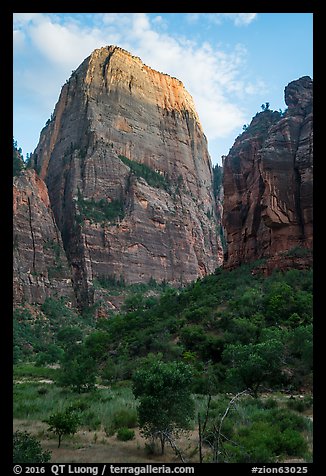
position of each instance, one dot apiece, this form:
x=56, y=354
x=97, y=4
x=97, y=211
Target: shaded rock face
x=117, y=217
x=40, y=267
x=284, y=262
x=268, y=179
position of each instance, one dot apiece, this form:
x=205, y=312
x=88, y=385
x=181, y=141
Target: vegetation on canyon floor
x=234, y=333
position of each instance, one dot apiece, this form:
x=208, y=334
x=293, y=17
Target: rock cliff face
x=129, y=176
x=268, y=181
x=40, y=267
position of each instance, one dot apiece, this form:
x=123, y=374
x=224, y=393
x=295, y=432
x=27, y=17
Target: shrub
x=125, y=434
x=101, y=211
x=68, y=336
x=91, y=420
x=308, y=399
x=152, y=177
x=42, y=390
x=78, y=406
x=125, y=418
x=270, y=403
x=52, y=355
x=298, y=252
x=292, y=443
x=18, y=161
x=299, y=405
x=285, y=419
x=263, y=442
x=56, y=310
x=150, y=448
x=27, y=449
x=109, y=429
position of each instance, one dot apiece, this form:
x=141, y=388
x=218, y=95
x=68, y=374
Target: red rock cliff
x=117, y=217
x=40, y=267
x=268, y=181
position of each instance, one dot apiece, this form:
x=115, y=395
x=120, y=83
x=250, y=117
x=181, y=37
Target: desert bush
x=125, y=418
x=299, y=405
x=270, y=403
x=125, y=434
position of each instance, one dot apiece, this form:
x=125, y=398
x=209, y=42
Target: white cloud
x=18, y=39
x=64, y=44
x=21, y=19
x=158, y=20
x=209, y=75
x=245, y=18
x=57, y=45
x=193, y=17
x=239, y=19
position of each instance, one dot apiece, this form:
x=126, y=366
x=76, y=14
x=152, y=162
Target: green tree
x=98, y=344
x=300, y=355
x=244, y=330
x=57, y=310
x=63, y=423
x=135, y=302
x=78, y=369
x=279, y=302
x=51, y=355
x=217, y=180
x=18, y=161
x=252, y=365
x=27, y=449
x=165, y=403
x=69, y=336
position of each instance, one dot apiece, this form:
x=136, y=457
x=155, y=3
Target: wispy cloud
x=48, y=46
x=239, y=19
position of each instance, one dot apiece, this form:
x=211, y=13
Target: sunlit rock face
x=129, y=176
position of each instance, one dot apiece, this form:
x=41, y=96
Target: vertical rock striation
x=40, y=267
x=129, y=176
x=268, y=181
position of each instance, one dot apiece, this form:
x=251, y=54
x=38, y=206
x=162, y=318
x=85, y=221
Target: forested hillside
x=233, y=331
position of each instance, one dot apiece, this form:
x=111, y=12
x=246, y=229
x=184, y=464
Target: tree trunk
x=200, y=439
x=202, y=428
x=59, y=440
x=162, y=444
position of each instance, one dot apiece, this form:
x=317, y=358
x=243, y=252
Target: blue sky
x=230, y=63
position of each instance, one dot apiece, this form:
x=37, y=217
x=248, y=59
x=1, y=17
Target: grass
x=110, y=409
x=102, y=407
x=29, y=370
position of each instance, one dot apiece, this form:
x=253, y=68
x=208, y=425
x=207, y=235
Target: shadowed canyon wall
x=40, y=267
x=268, y=181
